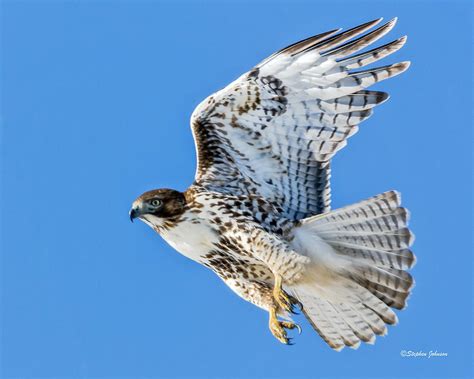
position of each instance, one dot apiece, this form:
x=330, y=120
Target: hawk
x=258, y=213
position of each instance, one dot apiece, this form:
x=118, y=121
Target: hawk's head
x=155, y=205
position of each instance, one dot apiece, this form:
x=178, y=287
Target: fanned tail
x=359, y=255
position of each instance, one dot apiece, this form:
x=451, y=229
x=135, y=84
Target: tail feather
x=359, y=256
x=382, y=204
x=362, y=296
x=369, y=223
x=401, y=239
x=401, y=259
x=320, y=322
x=354, y=319
x=397, y=280
x=345, y=331
x=372, y=318
x=391, y=297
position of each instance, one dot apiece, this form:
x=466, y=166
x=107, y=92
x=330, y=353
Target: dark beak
x=133, y=214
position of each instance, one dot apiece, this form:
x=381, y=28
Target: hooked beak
x=136, y=210
x=133, y=214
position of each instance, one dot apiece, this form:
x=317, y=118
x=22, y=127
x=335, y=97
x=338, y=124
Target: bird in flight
x=258, y=213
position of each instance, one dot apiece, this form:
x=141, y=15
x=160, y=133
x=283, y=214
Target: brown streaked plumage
x=258, y=213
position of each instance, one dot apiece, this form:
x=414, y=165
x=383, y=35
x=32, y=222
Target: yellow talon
x=286, y=303
x=278, y=327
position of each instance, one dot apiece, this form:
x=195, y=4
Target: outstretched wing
x=273, y=131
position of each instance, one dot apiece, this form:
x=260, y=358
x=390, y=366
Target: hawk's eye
x=156, y=202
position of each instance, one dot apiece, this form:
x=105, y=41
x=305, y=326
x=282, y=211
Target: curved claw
x=298, y=328
x=291, y=325
x=295, y=311
x=279, y=328
x=295, y=303
x=299, y=304
x=288, y=303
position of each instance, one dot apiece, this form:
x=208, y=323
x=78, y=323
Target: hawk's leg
x=286, y=303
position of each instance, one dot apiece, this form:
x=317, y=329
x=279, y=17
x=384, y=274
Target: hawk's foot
x=286, y=302
x=278, y=328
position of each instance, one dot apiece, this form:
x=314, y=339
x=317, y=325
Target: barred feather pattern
x=273, y=131
x=352, y=287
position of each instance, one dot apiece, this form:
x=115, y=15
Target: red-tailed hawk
x=258, y=213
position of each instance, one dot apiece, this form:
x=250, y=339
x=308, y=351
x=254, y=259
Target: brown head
x=161, y=203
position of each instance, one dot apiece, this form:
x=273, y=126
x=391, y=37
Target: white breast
x=192, y=239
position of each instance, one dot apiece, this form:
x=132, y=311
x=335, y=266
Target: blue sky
x=96, y=98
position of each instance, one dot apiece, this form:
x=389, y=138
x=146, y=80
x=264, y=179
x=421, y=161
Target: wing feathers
x=343, y=37
x=373, y=55
x=288, y=116
x=361, y=42
x=297, y=47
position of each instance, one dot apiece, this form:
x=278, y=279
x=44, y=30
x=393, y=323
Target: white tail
x=359, y=256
